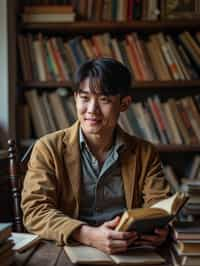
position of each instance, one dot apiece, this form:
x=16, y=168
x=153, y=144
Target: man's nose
x=93, y=106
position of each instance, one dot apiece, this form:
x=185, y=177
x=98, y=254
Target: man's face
x=97, y=113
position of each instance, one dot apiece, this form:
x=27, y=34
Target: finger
x=149, y=237
x=155, y=242
x=142, y=242
x=131, y=241
x=118, y=250
x=162, y=231
x=113, y=223
x=118, y=244
x=123, y=235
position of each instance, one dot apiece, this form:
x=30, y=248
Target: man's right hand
x=104, y=237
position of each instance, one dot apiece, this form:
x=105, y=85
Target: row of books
x=169, y=122
x=173, y=121
x=6, y=252
x=50, y=111
x=46, y=2
x=120, y=10
x=185, y=248
x=194, y=169
x=191, y=173
x=107, y=10
x=188, y=185
x=154, y=57
x=48, y=14
x=117, y=10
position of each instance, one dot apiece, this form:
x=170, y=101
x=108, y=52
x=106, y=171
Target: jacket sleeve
x=155, y=186
x=40, y=194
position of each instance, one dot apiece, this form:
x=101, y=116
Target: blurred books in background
x=185, y=250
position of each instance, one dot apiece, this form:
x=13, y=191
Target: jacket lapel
x=72, y=160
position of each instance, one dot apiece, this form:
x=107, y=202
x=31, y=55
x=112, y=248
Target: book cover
x=48, y=18
x=136, y=256
x=48, y=9
x=145, y=220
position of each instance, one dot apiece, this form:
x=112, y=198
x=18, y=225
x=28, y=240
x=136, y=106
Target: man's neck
x=99, y=145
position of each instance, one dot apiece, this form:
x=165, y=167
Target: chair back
x=17, y=170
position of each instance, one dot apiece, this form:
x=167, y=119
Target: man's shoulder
x=53, y=136
x=144, y=143
x=139, y=143
x=58, y=138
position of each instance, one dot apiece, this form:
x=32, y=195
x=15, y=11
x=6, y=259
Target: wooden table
x=48, y=254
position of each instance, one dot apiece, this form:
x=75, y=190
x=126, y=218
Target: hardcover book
x=88, y=255
x=24, y=241
x=145, y=220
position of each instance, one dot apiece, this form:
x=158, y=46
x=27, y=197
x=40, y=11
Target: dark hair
x=106, y=74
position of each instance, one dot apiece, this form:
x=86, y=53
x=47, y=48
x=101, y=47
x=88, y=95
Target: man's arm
x=155, y=188
x=40, y=198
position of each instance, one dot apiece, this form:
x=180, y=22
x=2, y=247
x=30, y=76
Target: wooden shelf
x=169, y=84
x=92, y=27
x=178, y=147
x=141, y=84
x=46, y=84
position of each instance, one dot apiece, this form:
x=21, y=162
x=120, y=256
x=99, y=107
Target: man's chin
x=92, y=130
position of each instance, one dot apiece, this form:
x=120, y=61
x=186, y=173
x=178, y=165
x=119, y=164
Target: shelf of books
x=186, y=85
x=160, y=44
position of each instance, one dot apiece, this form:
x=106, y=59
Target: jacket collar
x=73, y=162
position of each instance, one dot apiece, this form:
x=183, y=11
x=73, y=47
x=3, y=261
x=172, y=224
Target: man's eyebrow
x=88, y=92
x=82, y=91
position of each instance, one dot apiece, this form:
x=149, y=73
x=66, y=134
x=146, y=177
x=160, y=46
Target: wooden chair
x=17, y=170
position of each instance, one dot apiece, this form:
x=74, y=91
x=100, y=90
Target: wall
x=4, y=99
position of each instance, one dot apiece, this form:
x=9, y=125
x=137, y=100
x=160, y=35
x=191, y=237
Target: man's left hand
x=156, y=240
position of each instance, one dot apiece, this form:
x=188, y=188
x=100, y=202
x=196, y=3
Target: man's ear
x=125, y=103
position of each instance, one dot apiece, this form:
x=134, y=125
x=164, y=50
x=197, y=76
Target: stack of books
x=192, y=187
x=186, y=246
x=48, y=14
x=6, y=252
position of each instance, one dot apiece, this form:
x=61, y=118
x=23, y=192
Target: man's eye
x=84, y=97
x=105, y=99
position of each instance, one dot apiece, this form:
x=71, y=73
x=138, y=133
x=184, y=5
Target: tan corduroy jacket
x=50, y=196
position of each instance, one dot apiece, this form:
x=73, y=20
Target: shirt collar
x=119, y=143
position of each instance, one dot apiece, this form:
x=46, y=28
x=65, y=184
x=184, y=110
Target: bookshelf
x=93, y=27
x=192, y=85
x=143, y=89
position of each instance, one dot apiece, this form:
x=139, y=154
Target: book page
x=87, y=255
x=22, y=241
x=138, y=256
x=166, y=204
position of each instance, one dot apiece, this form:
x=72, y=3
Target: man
x=81, y=179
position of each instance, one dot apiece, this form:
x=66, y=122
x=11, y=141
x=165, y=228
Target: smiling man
x=81, y=179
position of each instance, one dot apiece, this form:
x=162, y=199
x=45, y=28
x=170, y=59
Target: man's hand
x=156, y=240
x=105, y=237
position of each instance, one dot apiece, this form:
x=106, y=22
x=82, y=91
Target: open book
x=24, y=241
x=145, y=220
x=88, y=255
